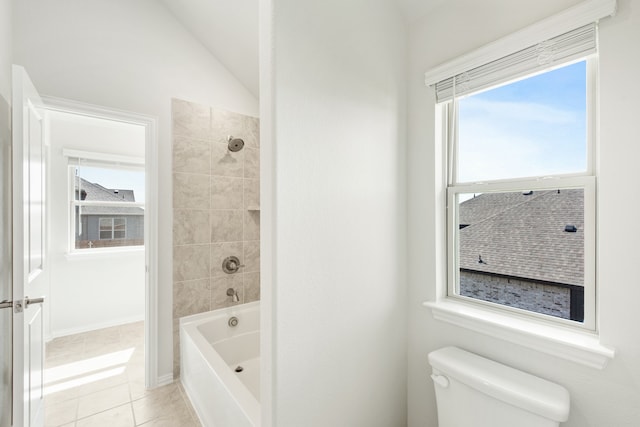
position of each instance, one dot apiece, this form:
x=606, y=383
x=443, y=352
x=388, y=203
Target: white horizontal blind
x=559, y=50
x=103, y=160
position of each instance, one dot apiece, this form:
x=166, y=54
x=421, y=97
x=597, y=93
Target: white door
x=28, y=252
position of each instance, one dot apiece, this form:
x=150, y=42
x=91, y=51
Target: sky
x=121, y=179
x=537, y=126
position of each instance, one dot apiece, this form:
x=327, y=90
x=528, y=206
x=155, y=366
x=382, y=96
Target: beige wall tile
x=251, y=193
x=191, y=155
x=226, y=192
x=191, y=191
x=225, y=123
x=191, y=262
x=176, y=349
x=252, y=163
x=191, y=297
x=225, y=162
x=226, y=226
x=251, y=256
x=251, y=287
x=190, y=226
x=191, y=120
x=253, y=129
x=251, y=225
x=219, y=286
x=212, y=189
x=219, y=251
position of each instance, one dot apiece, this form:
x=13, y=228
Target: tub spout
x=232, y=293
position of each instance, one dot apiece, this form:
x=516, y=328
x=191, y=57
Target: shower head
x=235, y=144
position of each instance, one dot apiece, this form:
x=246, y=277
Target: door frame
x=150, y=124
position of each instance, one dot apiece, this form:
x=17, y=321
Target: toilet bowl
x=472, y=391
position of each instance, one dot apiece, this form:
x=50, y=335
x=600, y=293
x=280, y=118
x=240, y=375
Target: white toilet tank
x=472, y=391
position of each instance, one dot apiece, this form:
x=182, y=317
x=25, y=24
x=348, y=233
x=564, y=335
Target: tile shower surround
x=216, y=198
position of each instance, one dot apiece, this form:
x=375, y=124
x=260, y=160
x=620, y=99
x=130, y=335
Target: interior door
x=28, y=252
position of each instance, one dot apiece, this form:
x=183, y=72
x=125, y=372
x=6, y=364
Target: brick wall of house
x=540, y=298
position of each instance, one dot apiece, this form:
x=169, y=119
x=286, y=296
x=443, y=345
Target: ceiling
x=229, y=30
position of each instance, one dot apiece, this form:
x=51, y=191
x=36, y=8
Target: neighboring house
x=102, y=226
x=525, y=249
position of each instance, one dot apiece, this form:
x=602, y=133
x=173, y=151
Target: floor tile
x=102, y=400
x=121, y=416
x=97, y=379
x=163, y=402
x=60, y=413
x=171, y=422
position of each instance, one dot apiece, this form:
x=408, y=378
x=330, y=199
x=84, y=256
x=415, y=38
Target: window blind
x=102, y=160
x=567, y=47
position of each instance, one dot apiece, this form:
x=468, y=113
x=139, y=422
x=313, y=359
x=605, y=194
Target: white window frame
x=571, y=343
x=107, y=161
x=585, y=180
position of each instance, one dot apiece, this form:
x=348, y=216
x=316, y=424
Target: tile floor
x=96, y=379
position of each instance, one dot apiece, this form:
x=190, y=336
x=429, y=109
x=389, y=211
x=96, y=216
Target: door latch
x=18, y=304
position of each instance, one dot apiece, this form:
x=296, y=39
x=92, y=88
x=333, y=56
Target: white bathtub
x=210, y=352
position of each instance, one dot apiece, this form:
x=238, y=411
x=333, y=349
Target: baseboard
x=94, y=326
x=165, y=379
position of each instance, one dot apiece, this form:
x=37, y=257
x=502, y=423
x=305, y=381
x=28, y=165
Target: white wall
x=89, y=291
x=338, y=284
x=132, y=56
x=606, y=397
x=5, y=49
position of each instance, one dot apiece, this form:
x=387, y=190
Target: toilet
x=472, y=391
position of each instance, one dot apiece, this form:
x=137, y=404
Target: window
x=521, y=181
x=106, y=202
x=113, y=228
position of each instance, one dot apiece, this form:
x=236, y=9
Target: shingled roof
x=96, y=192
x=524, y=236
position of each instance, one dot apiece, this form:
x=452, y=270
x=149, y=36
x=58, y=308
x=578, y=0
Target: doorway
x=102, y=238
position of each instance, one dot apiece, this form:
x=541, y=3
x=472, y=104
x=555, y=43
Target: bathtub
x=211, y=352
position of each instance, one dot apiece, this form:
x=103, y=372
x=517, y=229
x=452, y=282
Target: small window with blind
x=106, y=200
x=521, y=180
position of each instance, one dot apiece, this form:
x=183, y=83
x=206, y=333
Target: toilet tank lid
x=502, y=382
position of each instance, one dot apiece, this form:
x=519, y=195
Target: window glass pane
x=533, y=127
x=119, y=228
x=107, y=225
x=118, y=184
x=523, y=249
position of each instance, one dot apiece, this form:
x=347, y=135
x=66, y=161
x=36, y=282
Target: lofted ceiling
x=229, y=30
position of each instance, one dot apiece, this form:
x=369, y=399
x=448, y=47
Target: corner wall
x=337, y=282
x=132, y=56
x=607, y=397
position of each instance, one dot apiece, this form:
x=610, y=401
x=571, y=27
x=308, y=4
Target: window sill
x=90, y=254
x=576, y=346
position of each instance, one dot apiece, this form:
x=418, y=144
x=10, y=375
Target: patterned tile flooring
x=96, y=379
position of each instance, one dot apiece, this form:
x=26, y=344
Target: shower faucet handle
x=231, y=264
